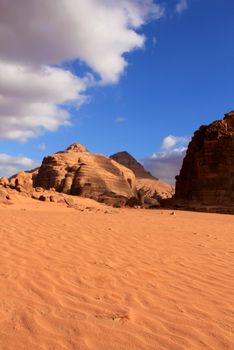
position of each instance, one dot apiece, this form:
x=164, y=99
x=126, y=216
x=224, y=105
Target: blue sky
x=182, y=77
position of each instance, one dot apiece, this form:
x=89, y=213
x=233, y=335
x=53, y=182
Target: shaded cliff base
x=9, y=196
x=21, y=185
x=196, y=206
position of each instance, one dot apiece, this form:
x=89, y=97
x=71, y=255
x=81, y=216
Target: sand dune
x=126, y=279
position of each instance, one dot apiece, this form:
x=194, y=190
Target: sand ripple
x=139, y=280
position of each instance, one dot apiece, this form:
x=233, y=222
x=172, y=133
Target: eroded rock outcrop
x=4, y=181
x=151, y=186
x=75, y=171
x=207, y=174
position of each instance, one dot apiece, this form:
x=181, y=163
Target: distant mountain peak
x=130, y=162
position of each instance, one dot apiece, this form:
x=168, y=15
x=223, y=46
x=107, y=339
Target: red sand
x=126, y=280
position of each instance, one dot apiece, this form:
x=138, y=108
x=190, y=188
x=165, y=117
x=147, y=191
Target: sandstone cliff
x=207, y=174
x=75, y=171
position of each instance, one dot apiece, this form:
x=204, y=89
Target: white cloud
x=96, y=31
x=181, y=6
x=30, y=99
x=171, y=141
x=167, y=163
x=11, y=165
x=37, y=34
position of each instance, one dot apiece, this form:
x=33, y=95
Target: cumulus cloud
x=97, y=32
x=167, y=163
x=37, y=37
x=173, y=143
x=11, y=165
x=181, y=6
x=33, y=100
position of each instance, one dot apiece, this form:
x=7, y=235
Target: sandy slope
x=132, y=279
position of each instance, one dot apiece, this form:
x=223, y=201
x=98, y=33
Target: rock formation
x=75, y=171
x=129, y=162
x=145, y=181
x=23, y=181
x=207, y=174
x=4, y=181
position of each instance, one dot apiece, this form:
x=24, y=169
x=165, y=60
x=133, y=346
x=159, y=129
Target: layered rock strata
x=75, y=171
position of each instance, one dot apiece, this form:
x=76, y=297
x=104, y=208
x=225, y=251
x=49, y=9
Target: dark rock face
x=207, y=174
x=129, y=162
x=78, y=172
x=133, y=202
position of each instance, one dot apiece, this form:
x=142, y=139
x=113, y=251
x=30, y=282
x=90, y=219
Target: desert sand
x=121, y=279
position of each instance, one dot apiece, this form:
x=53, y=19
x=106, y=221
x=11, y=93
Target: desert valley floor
x=105, y=279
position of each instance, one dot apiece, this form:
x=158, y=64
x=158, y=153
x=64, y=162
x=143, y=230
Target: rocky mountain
x=145, y=181
x=75, y=171
x=207, y=174
x=129, y=162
